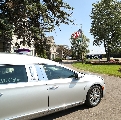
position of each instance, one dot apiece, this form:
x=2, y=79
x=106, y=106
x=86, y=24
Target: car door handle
x=53, y=87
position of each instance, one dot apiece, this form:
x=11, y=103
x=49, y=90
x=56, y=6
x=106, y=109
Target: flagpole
x=81, y=34
x=79, y=41
x=81, y=26
x=82, y=57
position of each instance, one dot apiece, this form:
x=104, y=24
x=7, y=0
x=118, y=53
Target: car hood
x=90, y=77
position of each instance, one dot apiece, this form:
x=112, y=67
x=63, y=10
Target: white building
x=52, y=52
x=14, y=48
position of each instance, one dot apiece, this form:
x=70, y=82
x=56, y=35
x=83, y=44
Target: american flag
x=76, y=34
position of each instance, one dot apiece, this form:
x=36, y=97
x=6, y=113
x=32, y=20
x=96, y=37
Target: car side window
x=56, y=72
x=40, y=72
x=12, y=74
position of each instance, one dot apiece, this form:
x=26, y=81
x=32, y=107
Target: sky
x=81, y=15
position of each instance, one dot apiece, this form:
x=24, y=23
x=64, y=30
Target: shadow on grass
x=62, y=113
x=119, y=70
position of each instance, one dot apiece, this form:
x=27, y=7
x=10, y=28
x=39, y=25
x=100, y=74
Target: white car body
x=39, y=96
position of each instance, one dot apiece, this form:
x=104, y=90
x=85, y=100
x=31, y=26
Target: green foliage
x=42, y=54
x=42, y=48
x=106, y=25
x=58, y=59
x=103, y=69
x=116, y=53
x=5, y=26
x=63, y=51
x=80, y=47
x=30, y=19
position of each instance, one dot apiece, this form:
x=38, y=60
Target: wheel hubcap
x=95, y=96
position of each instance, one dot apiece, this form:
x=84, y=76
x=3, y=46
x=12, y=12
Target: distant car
x=31, y=87
x=68, y=58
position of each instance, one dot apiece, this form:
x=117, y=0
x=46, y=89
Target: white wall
x=13, y=47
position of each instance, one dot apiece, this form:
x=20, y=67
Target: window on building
x=52, y=56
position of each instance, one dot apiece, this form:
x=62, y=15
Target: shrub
x=116, y=59
x=106, y=63
x=119, y=70
x=58, y=60
x=88, y=62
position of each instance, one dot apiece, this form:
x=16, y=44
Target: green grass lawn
x=104, y=69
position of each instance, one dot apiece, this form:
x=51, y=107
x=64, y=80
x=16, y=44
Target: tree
x=41, y=47
x=116, y=53
x=80, y=47
x=6, y=27
x=48, y=15
x=67, y=52
x=106, y=25
x=63, y=51
x=32, y=18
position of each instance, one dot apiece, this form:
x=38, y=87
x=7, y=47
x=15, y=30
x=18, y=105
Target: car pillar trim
x=1, y=94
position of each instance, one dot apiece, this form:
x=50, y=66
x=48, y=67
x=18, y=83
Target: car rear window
x=12, y=74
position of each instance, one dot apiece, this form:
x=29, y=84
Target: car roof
x=20, y=59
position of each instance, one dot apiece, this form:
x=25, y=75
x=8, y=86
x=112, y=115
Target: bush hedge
x=111, y=62
x=57, y=60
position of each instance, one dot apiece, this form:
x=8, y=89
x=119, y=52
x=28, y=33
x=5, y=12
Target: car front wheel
x=94, y=95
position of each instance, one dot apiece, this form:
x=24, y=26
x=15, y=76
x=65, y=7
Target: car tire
x=94, y=96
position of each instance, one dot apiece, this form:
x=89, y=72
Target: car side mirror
x=78, y=75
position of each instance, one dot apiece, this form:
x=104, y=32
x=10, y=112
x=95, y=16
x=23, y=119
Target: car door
x=64, y=89
x=18, y=97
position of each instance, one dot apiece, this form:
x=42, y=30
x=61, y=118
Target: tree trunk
x=82, y=57
x=108, y=54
